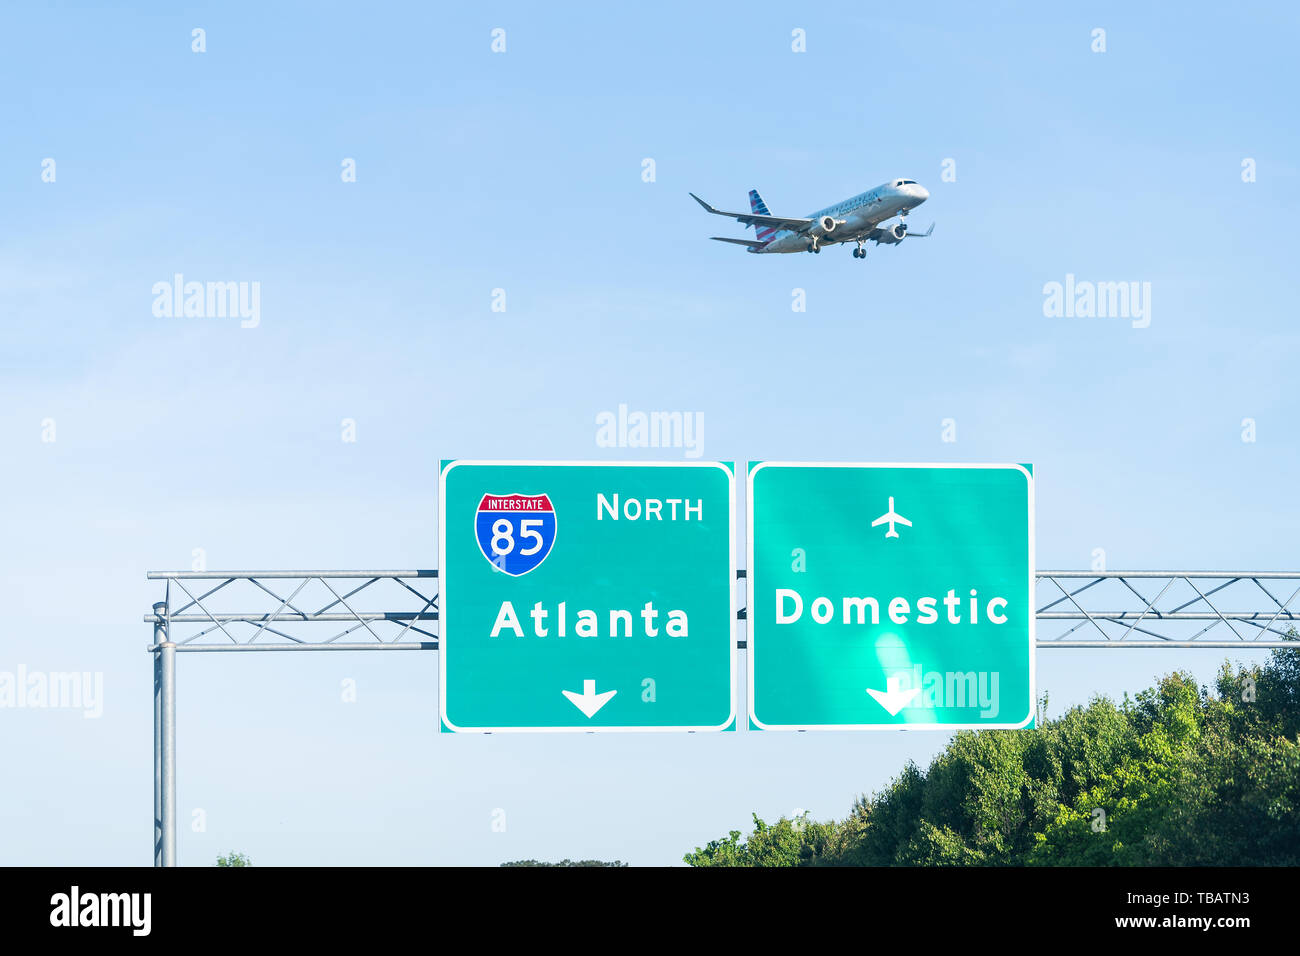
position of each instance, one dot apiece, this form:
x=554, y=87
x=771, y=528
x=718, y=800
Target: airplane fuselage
x=854, y=217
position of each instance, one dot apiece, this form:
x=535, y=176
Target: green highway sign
x=581, y=596
x=890, y=596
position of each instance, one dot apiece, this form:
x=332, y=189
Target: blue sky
x=522, y=171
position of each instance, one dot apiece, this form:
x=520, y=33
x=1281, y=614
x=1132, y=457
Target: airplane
x=893, y=518
x=856, y=220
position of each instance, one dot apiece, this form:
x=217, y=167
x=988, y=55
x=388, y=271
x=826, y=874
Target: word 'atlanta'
x=587, y=624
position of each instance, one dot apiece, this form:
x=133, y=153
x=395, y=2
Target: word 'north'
x=647, y=509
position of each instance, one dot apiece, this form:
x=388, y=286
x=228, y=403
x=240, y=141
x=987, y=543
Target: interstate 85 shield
x=515, y=532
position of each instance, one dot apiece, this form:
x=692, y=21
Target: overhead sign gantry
x=945, y=532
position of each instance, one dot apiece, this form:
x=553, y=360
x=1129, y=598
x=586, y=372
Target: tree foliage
x=1176, y=776
x=787, y=842
x=566, y=862
x=234, y=859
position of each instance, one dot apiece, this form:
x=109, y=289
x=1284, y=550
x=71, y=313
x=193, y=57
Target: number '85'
x=503, y=536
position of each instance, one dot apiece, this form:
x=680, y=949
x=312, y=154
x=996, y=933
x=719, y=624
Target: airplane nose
x=922, y=194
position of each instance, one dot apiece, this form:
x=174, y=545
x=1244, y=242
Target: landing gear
x=813, y=246
x=861, y=251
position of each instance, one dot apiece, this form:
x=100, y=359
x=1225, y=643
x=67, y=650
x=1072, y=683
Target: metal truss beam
x=1147, y=609
x=398, y=609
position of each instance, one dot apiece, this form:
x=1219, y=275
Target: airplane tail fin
x=759, y=208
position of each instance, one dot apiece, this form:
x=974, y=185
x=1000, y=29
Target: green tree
x=234, y=859
x=565, y=862
x=788, y=842
x=1175, y=776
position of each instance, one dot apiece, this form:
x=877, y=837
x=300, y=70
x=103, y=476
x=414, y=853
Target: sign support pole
x=164, y=741
x=159, y=637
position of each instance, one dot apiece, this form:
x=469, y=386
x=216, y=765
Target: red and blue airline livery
x=860, y=219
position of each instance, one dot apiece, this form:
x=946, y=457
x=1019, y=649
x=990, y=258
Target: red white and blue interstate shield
x=515, y=532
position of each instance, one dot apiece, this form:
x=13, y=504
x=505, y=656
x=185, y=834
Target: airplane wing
x=752, y=243
x=881, y=520
x=899, y=519
x=885, y=235
x=754, y=219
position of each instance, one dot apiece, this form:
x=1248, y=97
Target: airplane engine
x=824, y=227
x=897, y=231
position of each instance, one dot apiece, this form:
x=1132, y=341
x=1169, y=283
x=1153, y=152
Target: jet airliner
x=858, y=219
